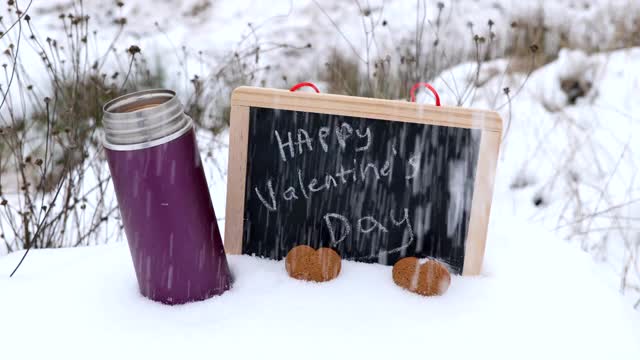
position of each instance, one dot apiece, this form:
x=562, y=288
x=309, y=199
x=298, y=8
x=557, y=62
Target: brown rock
x=428, y=279
x=305, y=263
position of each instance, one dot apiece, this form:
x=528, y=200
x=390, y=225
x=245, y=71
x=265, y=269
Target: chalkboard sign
x=377, y=180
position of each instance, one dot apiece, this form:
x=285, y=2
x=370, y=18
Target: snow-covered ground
x=539, y=296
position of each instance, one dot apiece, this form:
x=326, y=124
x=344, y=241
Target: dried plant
x=55, y=185
x=416, y=60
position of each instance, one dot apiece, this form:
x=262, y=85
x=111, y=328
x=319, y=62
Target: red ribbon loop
x=303, y=84
x=428, y=86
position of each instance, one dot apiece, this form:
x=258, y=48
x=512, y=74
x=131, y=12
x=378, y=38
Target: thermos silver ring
x=144, y=119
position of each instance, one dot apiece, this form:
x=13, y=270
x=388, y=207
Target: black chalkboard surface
x=321, y=171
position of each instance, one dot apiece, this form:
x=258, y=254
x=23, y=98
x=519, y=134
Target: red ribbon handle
x=428, y=86
x=303, y=84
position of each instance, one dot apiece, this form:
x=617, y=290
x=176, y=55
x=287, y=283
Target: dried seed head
x=133, y=49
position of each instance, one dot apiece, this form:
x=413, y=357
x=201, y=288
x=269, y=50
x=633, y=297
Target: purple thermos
x=163, y=198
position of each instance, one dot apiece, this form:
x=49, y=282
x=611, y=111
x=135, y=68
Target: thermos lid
x=143, y=119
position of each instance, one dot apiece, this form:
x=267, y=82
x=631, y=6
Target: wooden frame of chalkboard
x=248, y=102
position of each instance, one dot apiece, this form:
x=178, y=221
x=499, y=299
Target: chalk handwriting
x=359, y=169
x=273, y=205
x=373, y=224
x=374, y=170
x=340, y=228
x=281, y=145
x=290, y=193
x=367, y=136
x=409, y=229
x=332, y=233
x=303, y=138
x=304, y=142
x=322, y=135
x=357, y=172
x=343, y=132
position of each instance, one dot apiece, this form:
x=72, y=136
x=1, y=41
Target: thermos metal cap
x=143, y=119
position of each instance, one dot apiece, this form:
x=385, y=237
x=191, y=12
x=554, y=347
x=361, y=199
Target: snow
x=536, y=298
x=187, y=42
x=581, y=159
